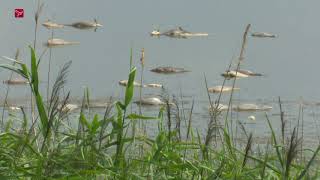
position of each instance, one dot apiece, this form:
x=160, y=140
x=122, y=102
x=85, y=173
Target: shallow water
x=290, y=62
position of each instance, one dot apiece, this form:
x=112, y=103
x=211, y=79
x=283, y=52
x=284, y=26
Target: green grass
x=101, y=148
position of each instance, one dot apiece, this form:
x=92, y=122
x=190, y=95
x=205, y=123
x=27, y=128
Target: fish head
x=155, y=33
x=99, y=25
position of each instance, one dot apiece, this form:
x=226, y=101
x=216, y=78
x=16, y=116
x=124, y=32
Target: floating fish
x=125, y=83
x=153, y=85
x=51, y=25
x=252, y=118
x=59, y=42
x=249, y=73
x=168, y=70
x=155, y=33
x=251, y=107
x=177, y=33
x=14, y=108
x=16, y=82
x=150, y=101
x=218, y=89
x=263, y=35
x=233, y=74
x=220, y=107
x=69, y=107
x=85, y=25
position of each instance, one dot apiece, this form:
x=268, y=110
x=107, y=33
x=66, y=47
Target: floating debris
x=218, y=89
x=125, y=83
x=177, y=33
x=263, y=35
x=252, y=118
x=233, y=74
x=85, y=25
x=153, y=85
x=59, y=42
x=169, y=70
x=16, y=82
x=150, y=101
x=249, y=73
x=51, y=25
x=251, y=107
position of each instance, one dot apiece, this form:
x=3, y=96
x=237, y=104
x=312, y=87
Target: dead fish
x=150, y=101
x=59, y=42
x=14, y=108
x=178, y=32
x=153, y=85
x=263, y=35
x=251, y=107
x=69, y=107
x=155, y=33
x=125, y=83
x=168, y=70
x=233, y=74
x=96, y=105
x=16, y=82
x=51, y=25
x=85, y=25
x=252, y=118
x=220, y=107
x=218, y=89
x=249, y=73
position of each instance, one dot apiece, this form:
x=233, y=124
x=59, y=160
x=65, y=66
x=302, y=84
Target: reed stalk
x=5, y=103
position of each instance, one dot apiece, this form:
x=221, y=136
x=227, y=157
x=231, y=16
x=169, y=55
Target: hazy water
x=289, y=62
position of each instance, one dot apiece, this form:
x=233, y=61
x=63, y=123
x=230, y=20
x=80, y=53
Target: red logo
x=18, y=13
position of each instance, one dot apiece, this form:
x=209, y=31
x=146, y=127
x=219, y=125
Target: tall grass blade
x=302, y=174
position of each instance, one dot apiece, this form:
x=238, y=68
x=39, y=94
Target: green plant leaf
x=14, y=69
x=84, y=121
x=129, y=88
x=95, y=124
x=34, y=71
x=136, y=116
x=35, y=90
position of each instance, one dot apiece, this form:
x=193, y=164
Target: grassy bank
x=103, y=148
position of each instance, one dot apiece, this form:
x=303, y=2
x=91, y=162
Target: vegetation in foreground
x=116, y=146
x=106, y=147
